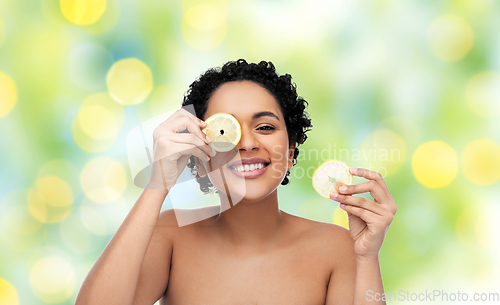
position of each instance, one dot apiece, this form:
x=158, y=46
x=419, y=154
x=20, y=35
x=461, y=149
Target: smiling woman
x=250, y=252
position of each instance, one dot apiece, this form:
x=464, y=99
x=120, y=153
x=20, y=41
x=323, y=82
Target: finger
x=375, y=190
x=360, y=202
x=370, y=175
x=188, y=138
x=195, y=119
x=184, y=113
x=181, y=149
x=182, y=123
x=367, y=216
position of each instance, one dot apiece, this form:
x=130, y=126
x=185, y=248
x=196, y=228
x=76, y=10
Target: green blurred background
x=407, y=88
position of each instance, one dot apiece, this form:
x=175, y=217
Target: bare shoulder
x=331, y=238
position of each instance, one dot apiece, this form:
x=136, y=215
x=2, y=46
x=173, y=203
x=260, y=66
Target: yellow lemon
x=224, y=130
x=329, y=176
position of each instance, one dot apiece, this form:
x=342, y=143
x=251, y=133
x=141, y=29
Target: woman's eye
x=266, y=128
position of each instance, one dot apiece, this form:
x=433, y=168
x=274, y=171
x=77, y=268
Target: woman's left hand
x=368, y=220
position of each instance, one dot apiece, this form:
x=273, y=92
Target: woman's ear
x=201, y=169
x=291, y=153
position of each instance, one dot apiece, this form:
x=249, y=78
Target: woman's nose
x=247, y=141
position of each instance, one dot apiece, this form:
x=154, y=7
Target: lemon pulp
x=224, y=130
x=329, y=176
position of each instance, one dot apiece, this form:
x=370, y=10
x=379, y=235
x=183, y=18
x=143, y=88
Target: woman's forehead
x=242, y=99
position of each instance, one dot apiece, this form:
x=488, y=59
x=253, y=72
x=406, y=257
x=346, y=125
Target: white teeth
x=246, y=167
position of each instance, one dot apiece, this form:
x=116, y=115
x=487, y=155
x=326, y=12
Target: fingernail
x=342, y=205
x=212, y=152
x=208, y=139
x=333, y=195
x=352, y=170
x=343, y=188
x=203, y=123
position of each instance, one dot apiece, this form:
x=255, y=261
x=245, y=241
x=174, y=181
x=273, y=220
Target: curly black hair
x=264, y=73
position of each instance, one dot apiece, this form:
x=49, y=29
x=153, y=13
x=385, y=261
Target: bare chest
x=210, y=273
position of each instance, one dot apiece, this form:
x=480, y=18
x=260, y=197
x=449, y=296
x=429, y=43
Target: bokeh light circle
x=382, y=151
x=15, y=215
x=450, y=38
x=51, y=200
x=54, y=191
x=480, y=162
x=83, y=12
x=340, y=218
x=203, y=26
x=103, y=180
x=8, y=293
x=8, y=94
x=52, y=279
x=63, y=169
x=129, y=81
x=435, y=164
x=483, y=94
x=97, y=123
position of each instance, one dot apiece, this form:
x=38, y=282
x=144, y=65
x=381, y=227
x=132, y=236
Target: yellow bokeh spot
x=129, y=81
x=481, y=161
x=340, y=218
x=83, y=12
x=63, y=169
x=382, y=151
x=51, y=200
x=471, y=228
x=8, y=293
x=483, y=94
x=103, y=180
x=8, y=94
x=54, y=191
x=52, y=279
x=14, y=213
x=100, y=117
x=203, y=25
x=450, y=38
x=97, y=122
x=435, y=164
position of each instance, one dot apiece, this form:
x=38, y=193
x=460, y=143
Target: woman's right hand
x=172, y=149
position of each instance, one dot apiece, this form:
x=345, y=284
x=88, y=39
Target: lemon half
x=224, y=130
x=329, y=176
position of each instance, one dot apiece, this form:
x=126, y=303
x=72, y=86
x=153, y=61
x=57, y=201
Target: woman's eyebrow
x=264, y=113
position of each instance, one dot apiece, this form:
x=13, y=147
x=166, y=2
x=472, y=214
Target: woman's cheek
x=279, y=161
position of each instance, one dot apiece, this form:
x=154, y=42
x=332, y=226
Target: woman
x=252, y=253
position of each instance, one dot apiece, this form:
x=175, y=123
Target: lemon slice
x=224, y=130
x=329, y=176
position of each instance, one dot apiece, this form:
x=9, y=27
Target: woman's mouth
x=249, y=170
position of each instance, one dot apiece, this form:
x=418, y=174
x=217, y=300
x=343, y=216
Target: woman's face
x=263, y=136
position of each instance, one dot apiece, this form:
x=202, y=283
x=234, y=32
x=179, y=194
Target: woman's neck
x=252, y=223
